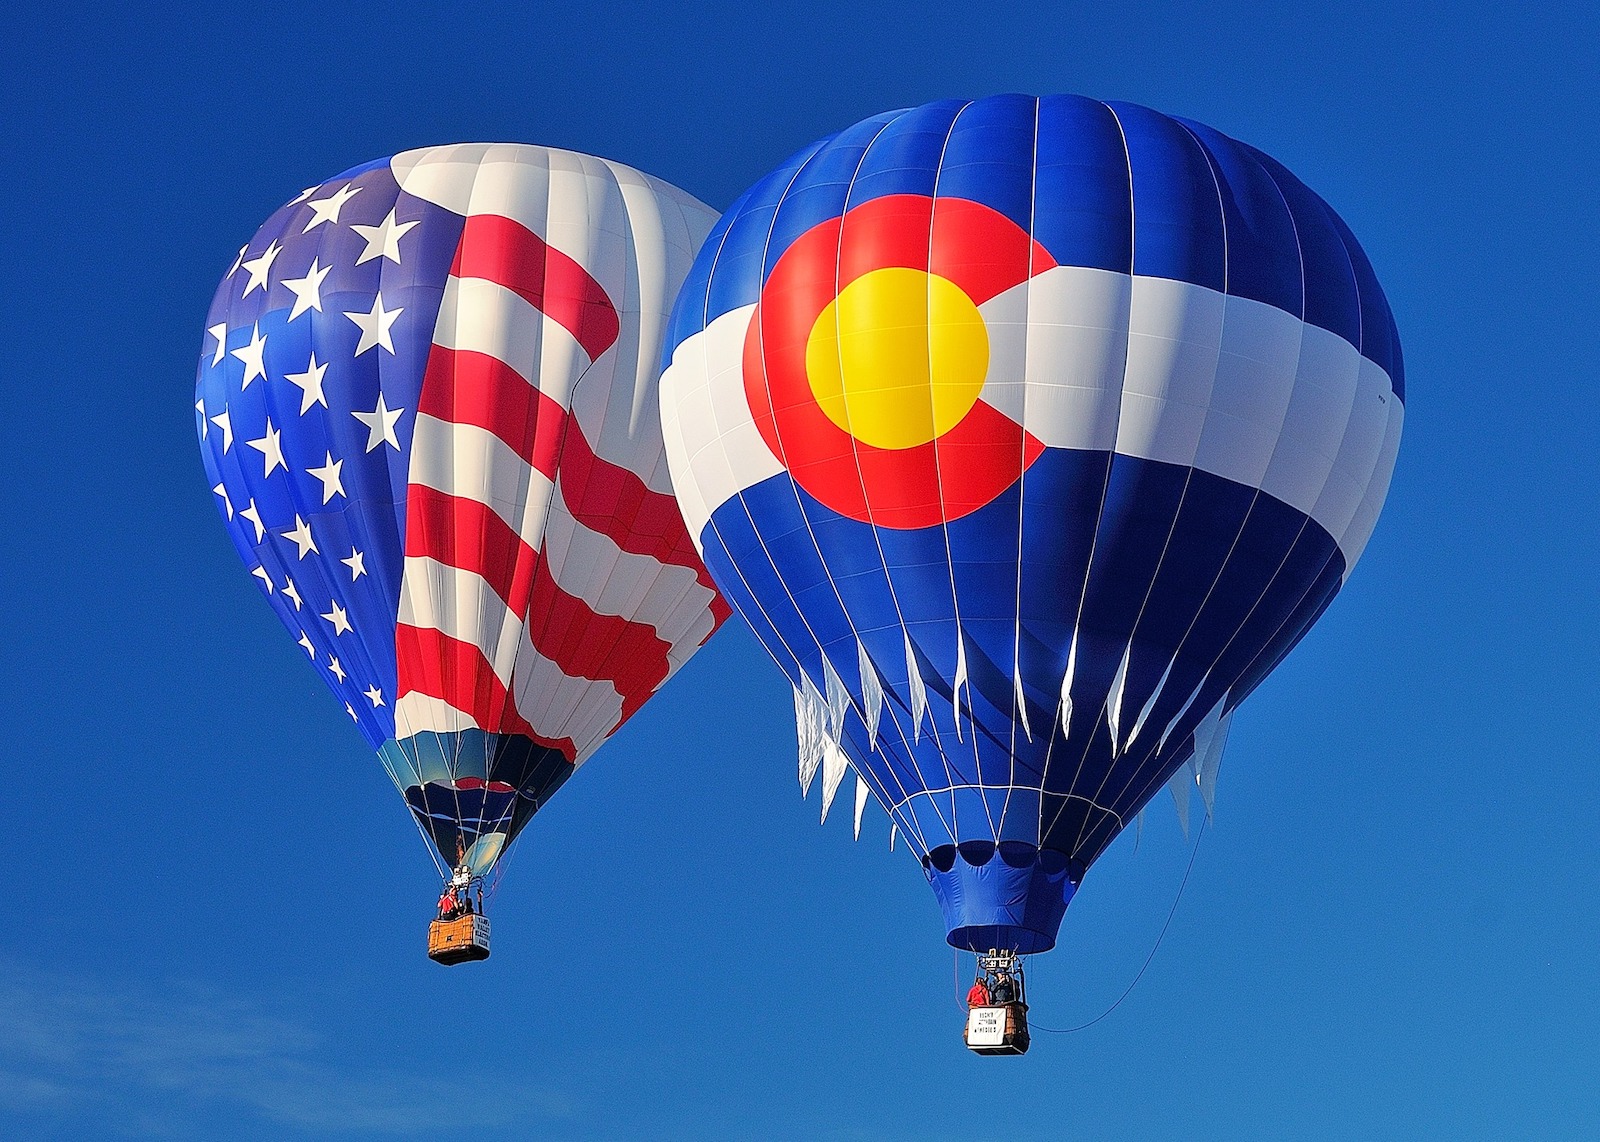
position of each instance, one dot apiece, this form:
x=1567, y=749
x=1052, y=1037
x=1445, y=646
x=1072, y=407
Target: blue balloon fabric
x=1028, y=435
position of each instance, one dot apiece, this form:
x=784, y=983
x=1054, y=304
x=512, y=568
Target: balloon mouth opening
x=1010, y=894
x=471, y=792
x=980, y=938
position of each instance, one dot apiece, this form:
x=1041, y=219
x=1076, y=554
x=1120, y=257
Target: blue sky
x=218, y=901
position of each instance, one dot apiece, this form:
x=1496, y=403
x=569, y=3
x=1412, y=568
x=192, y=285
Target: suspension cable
x=1199, y=833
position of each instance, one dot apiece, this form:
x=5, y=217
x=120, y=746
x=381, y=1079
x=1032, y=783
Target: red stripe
x=432, y=663
x=465, y=387
x=509, y=254
x=608, y=498
x=464, y=533
x=461, y=386
x=562, y=627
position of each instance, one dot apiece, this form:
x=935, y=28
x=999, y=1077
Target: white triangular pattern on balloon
x=838, y=699
x=1020, y=700
x=1148, y=706
x=871, y=693
x=861, y=803
x=1179, y=786
x=1119, y=684
x=1178, y=717
x=919, y=691
x=834, y=764
x=810, y=717
x=1066, y=687
x=1210, y=737
x=960, y=683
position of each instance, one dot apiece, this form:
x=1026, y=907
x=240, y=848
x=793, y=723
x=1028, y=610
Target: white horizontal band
x=1088, y=359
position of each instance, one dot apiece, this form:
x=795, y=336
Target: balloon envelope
x=1028, y=435
x=427, y=407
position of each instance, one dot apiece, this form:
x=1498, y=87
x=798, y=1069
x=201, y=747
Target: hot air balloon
x=1028, y=435
x=427, y=408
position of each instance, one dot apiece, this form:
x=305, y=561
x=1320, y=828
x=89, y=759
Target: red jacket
x=978, y=996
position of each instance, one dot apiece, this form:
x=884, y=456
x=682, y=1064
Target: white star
x=356, y=563
x=332, y=485
x=383, y=240
x=252, y=514
x=301, y=534
x=266, y=580
x=220, y=332
x=307, y=290
x=374, y=695
x=238, y=259
x=305, y=641
x=200, y=407
x=352, y=713
x=302, y=196
x=227, y=503
x=271, y=448
x=380, y=424
x=327, y=209
x=339, y=617
x=290, y=591
x=310, y=384
x=252, y=356
x=221, y=421
x=374, y=325
x=259, y=267
x=338, y=671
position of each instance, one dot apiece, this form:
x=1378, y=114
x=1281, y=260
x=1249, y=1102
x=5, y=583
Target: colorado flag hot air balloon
x=1028, y=435
x=427, y=406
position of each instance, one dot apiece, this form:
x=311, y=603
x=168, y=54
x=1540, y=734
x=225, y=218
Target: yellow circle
x=898, y=358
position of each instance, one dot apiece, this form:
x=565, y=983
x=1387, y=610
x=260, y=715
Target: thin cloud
x=78, y=1048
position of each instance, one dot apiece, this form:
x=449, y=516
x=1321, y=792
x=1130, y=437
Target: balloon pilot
x=461, y=931
x=997, y=1011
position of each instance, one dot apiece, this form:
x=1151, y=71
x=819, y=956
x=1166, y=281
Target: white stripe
x=1354, y=540
x=1355, y=469
x=639, y=588
x=1057, y=346
x=711, y=437
x=1088, y=359
x=1319, y=411
x=1174, y=343
x=474, y=464
x=462, y=605
x=685, y=416
x=479, y=316
x=559, y=706
x=416, y=713
x=1255, y=377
